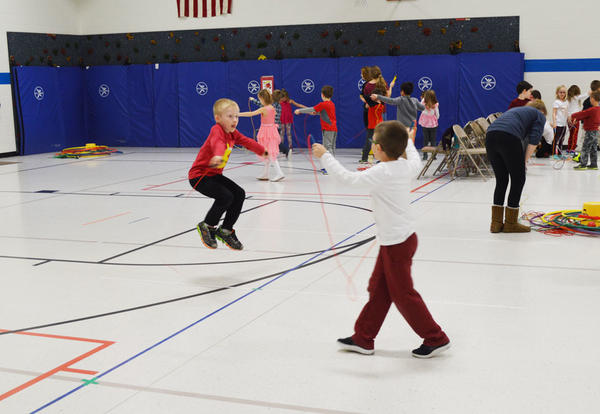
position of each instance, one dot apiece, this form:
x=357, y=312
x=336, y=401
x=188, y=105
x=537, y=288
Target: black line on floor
x=206, y=292
x=173, y=236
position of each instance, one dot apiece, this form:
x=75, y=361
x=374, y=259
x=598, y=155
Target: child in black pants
x=206, y=176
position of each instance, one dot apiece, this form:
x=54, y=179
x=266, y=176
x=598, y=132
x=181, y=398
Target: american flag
x=203, y=8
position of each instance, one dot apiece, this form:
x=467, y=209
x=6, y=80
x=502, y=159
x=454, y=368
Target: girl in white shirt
x=560, y=113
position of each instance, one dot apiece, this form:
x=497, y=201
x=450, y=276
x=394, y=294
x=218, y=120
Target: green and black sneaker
x=229, y=238
x=580, y=167
x=208, y=235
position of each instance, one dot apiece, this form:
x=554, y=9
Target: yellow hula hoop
x=561, y=212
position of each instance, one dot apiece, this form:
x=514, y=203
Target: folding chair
x=471, y=152
x=433, y=151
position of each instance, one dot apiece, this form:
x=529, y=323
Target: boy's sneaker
x=363, y=162
x=208, y=235
x=425, y=351
x=349, y=345
x=228, y=237
x=324, y=171
x=592, y=167
x=576, y=157
x=580, y=167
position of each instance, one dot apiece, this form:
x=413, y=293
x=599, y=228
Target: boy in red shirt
x=326, y=110
x=591, y=123
x=206, y=176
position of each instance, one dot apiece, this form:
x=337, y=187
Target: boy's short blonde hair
x=539, y=105
x=222, y=104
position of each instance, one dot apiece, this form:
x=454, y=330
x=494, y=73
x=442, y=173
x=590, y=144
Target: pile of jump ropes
x=585, y=222
x=89, y=150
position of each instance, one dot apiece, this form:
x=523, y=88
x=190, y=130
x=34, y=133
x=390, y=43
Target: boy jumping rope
x=206, y=176
x=391, y=282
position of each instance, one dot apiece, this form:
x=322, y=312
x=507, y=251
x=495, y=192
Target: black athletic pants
x=229, y=198
x=505, y=152
x=367, y=147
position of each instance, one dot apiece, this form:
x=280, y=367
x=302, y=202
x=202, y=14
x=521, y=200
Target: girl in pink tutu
x=268, y=135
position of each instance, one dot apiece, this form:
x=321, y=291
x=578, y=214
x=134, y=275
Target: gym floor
x=120, y=308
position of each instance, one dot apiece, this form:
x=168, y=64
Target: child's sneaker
x=324, y=171
x=592, y=167
x=580, y=167
x=425, y=351
x=349, y=345
x=228, y=237
x=363, y=161
x=278, y=178
x=208, y=235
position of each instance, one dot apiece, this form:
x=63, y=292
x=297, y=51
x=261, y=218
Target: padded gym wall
x=171, y=104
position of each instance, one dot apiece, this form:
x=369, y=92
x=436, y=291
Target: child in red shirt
x=591, y=123
x=206, y=176
x=326, y=110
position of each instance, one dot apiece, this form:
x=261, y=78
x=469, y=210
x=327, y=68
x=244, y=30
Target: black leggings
x=367, y=147
x=505, y=152
x=229, y=197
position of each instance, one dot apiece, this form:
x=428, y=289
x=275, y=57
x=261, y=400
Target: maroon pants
x=391, y=282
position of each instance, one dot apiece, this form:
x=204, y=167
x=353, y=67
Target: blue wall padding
x=50, y=107
x=72, y=109
x=170, y=105
x=502, y=70
x=166, y=105
x=199, y=86
x=442, y=72
x=107, y=112
x=140, y=108
x=304, y=83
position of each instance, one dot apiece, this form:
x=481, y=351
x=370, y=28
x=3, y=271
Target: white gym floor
x=257, y=332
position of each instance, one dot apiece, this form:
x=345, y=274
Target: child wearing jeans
x=591, y=123
x=206, y=176
x=326, y=110
x=391, y=282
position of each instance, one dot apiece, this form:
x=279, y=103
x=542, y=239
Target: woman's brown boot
x=511, y=225
x=497, y=219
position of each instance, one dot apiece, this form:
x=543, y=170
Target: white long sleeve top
x=388, y=184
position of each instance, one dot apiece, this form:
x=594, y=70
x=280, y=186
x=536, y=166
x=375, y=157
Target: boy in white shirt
x=391, y=281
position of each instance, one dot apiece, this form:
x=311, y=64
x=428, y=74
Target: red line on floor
x=427, y=183
x=80, y=371
x=62, y=367
x=107, y=218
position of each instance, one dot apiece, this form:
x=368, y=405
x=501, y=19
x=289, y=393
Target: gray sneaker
x=208, y=235
x=229, y=238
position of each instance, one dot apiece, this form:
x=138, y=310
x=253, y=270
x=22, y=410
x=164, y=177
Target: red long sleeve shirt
x=590, y=118
x=220, y=143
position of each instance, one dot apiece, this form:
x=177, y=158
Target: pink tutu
x=268, y=137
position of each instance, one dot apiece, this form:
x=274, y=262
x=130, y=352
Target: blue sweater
x=524, y=122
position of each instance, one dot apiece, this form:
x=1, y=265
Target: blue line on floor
x=217, y=311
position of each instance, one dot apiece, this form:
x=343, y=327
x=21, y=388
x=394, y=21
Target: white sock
x=278, y=172
x=265, y=173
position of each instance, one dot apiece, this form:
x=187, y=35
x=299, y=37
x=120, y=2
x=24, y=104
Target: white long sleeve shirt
x=388, y=184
